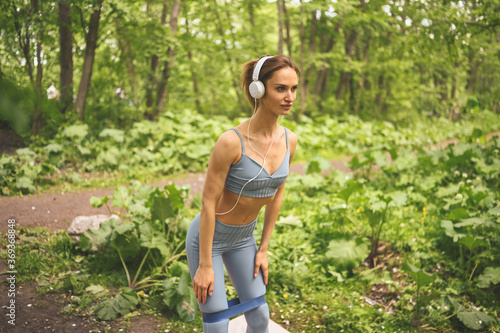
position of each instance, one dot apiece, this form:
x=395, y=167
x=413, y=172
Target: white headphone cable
x=263, y=162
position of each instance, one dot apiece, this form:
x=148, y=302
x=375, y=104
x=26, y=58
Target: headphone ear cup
x=257, y=89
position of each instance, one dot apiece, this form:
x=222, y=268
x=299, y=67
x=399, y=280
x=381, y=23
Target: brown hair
x=270, y=66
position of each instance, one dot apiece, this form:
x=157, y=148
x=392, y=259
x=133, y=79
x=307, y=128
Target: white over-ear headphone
x=256, y=88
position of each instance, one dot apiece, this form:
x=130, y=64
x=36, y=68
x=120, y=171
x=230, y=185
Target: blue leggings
x=233, y=246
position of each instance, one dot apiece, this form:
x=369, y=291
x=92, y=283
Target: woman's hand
x=203, y=283
x=261, y=263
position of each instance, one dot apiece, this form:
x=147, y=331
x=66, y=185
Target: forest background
x=118, y=62
x=142, y=89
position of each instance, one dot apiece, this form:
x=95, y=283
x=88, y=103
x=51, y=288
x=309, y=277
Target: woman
x=247, y=170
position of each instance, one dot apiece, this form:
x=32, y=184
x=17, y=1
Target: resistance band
x=235, y=308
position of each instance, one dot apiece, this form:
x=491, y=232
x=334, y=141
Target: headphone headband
x=257, y=68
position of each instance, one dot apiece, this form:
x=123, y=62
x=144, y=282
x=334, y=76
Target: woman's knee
x=218, y=327
x=258, y=319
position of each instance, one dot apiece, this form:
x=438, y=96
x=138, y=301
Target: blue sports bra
x=265, y=185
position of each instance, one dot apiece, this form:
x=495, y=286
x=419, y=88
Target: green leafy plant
x=470, y=317
x=153, y=234
x=421, y=279
x=178, y=292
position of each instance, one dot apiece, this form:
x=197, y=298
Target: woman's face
x=281, y=91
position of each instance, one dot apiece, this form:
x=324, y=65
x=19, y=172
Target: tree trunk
x=280, y=26
x=23, y=39
x=251, y=13
x=193, y=75
x=345, y=77
x=152, y=82
x=37, y=119
x=306, y=72
x=302, y=92
x=163, y=85
x=66, y=56
x=234, y=76
x=288, y=39
x=378, y=97
x=126, y=49
x=361, y=85
x=88, y=61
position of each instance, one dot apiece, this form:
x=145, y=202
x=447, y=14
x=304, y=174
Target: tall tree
x=229, y=59
x=126, y=53
x=306, y=69
x=281, y=14
x=37, y=119
x=162, y=90
x=193, y=72
x=65, y=55
x=154, y=59
x=288, y=39
x=88, y=60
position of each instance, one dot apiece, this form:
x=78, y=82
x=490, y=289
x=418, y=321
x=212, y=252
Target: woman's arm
x=225, y=152
x=270, y=217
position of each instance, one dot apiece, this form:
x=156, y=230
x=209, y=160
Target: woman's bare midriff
x=245, y=211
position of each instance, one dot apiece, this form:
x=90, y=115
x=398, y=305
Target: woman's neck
x=264, y=123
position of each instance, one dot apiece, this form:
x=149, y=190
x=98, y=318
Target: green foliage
x=409, y=197
x=471, y=318
x=120, y=305
x=154, y=233
x=347, y=254
x=437, y=207
x=490, y=276
x=178, y=292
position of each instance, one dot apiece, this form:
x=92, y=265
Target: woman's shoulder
x=229, y=139
x=292, y=142
x=292, y=137
x=229, y=144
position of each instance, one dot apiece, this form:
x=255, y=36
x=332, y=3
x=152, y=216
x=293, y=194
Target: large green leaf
x=317, y=164
x=124, y=240
x=53, y=148
x=120, y=305
x=495, y=210
x=78, y=131
x=474, y=319
x=196, y=151
x=116, y=134
x=25, y=183
x=352, y=186
x=162, y=209
x=490, y=276
x=347, y=253
x=399, y=199
x=97, y=202
x=421, y=278
x=472, y=242
x=449, y=230
x=121, y=197
x=92, y=239
x=187, y=307
x=473, y=221
x=179, y=295
x=471, y=318
x=175, y=195
x=458, y=214
x=153, y=239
